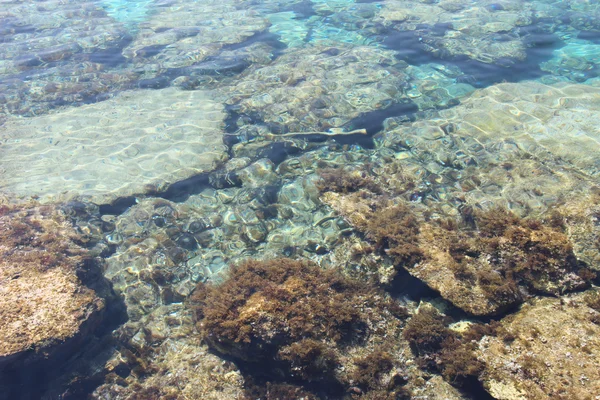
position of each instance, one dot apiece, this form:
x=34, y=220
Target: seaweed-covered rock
x=549, y=350
x=292, y=320
x=112, y=149
x=46, y=311
x=482, y=270
x=162, y=358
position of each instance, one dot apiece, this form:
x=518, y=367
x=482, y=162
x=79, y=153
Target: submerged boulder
x=113, y=149
x=485, y=31
x=47, y=312
x=291, y=320
x=548, y=350
x=322, y=87
x=161, y=357
x=485, y=264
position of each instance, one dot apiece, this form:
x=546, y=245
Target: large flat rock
x=137, y=142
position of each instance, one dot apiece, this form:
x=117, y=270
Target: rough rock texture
x=138, y=142
x=537, y=118
x=439, y=271
x=167, y=361
x=482, y=269
x=45, y=309
x=463, y=29
x=186, y=33
x=549, y=350
x=437, y=388
x=320, y=87
x=59, y=47
x=582, y=222
x=291, y=320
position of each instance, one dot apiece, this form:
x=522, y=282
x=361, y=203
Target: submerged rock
x=47, y=312
x=291, y=320
x=448, y=29
x=162, y=358
x=549, y=350
x=482, y=265
x=116, y=148
x=185, y=34
x=503, y=146
x=319, y=87
x=582, y=221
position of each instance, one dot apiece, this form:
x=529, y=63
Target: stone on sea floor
x=137, y=142
x=481, y=31
x=502, y=146
x=439, y=271
x=320, y=87
x=582, y=220
x=189, y=32
x=484, y=270
x=538, y=118
x=294, y=320
x=437, y=388
x=549, y=350
x=181, y=366
x=46, y=311
x=58, y=53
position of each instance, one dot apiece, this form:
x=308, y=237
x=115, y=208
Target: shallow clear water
x=161, y=116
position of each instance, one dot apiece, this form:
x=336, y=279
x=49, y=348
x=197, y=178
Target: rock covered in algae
x=116, y=148
x=166, y=360
x=549, y=350
x=292, y=320
x=46, y=311
x=483, y=270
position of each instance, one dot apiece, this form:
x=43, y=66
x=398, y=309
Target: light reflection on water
x=196, y=128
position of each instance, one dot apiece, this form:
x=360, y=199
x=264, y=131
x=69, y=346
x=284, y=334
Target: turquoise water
x=183, y=136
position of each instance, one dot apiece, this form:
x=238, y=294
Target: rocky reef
x=299, y=199
x=52, y=303
x=482, y=264
x=162, y=357
x=547, y=350
x=291, y=320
